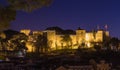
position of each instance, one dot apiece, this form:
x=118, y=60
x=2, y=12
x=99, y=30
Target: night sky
x=71, y=14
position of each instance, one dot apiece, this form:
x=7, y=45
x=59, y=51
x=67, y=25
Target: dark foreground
x=78, y=61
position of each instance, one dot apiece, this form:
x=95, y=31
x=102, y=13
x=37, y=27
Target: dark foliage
x=9, y=33
x=60, y=30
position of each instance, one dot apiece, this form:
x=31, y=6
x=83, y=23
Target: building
x=81, y=38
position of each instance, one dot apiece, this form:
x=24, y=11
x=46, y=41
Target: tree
x=18, y=41
x=60, y=30
x=67, y=39
x=41, y=43
x=8, y=12
x=2, y=40
x=57, y=29
x=114, y=42
x=6, y=16
x=97, y=47
x=10, y=33
x=3, y=44
x=28, y=5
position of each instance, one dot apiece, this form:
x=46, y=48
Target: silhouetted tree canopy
x=69, y=32
x=28, y=5
x=114, y=41
x=60, y=30
x=57, y=29
x=9, y=33
x=8, y=12
x=41, y=43
x=18, y=41
x=97, y=47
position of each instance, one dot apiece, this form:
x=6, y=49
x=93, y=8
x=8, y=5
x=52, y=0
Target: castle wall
x=89, y=37
x=54, y=40
x=80, y=36
x=99, y=36
x=59, y=43
x=51, y=36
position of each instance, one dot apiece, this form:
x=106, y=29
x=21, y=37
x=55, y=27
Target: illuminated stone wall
x=51, y=36
x=74, y=41
x=25, y=31
x=107, y=33
x=99, y=36
x=81, y=36
x=37, y=32
x=89, y=37
x=59, y=43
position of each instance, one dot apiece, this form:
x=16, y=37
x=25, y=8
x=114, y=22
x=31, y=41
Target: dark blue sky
x=71, y=14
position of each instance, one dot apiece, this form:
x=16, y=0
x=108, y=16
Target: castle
x=81, y=38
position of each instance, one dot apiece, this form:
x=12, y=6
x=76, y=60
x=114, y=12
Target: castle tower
x=99, y=36
x=51, y=36
x=80, y=35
